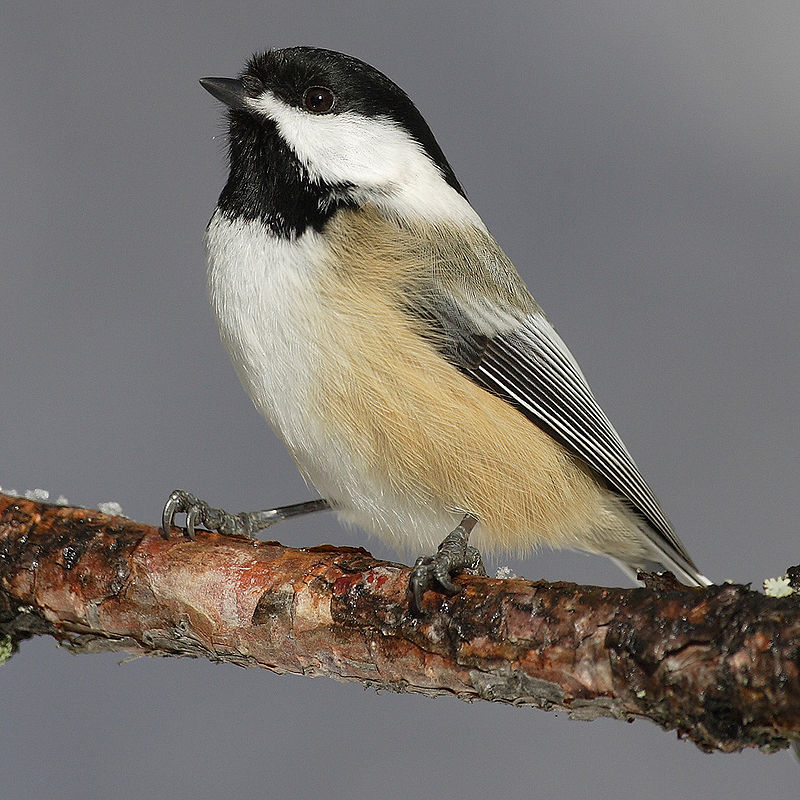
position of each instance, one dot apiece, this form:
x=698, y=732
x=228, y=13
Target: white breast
x=262, y=290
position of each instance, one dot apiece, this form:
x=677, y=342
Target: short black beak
x=227, y=90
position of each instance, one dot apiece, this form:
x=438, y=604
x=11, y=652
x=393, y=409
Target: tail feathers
x=692, y=577
x=702, y=580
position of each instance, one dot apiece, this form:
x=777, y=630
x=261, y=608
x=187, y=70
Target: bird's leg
x=248, y=523
x=453, y=556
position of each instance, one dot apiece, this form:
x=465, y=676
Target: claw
x=419, y=581
x=171, y=507
x=193, y=515
x=417, y=593
x=180, y=502
x=441, y=573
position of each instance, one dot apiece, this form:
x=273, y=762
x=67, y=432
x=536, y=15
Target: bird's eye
x=319, y=100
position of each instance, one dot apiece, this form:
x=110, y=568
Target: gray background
x=638, y=162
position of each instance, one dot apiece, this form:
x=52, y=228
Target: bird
x=383, y=333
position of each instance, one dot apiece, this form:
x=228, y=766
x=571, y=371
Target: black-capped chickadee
x=389, y=341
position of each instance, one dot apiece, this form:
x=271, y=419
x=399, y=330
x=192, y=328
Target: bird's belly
x=392, y=435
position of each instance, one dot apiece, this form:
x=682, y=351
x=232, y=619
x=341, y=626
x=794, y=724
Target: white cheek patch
x=347, y=147
x=374, y=154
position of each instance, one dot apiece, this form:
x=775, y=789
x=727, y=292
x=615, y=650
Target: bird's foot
x=453, y=556
x=247, y=523
x=201, y=514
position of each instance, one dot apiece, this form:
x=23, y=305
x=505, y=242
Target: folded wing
x=522, y=359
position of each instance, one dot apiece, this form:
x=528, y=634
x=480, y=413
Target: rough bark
x=719, y=665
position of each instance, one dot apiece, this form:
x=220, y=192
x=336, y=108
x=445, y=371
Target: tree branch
x=719, y=665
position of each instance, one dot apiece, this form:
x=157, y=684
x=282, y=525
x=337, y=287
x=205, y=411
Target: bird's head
x=313, y=129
